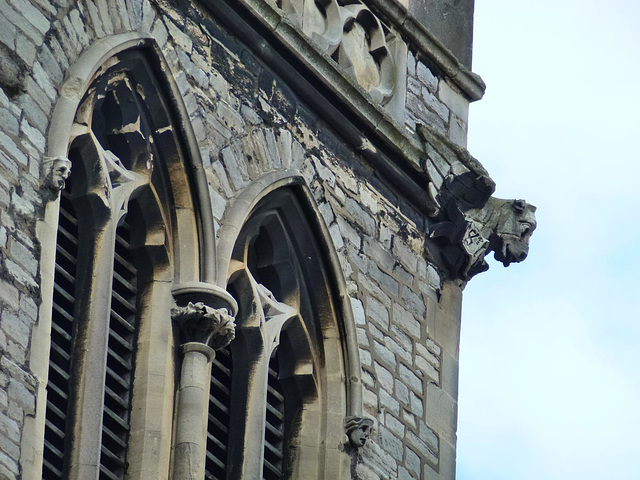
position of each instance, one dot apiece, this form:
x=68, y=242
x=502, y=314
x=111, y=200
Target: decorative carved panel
x=363, y=52
x=354, y=37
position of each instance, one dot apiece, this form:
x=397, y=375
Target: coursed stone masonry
x=404, y=265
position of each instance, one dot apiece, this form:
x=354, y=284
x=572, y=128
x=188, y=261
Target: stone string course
x=247, y=123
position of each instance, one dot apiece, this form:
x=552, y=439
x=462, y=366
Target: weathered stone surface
x=249, y=123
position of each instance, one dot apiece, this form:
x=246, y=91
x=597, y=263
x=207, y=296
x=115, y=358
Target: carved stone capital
x=358, y=429
x=200, y=323
x=57, y=171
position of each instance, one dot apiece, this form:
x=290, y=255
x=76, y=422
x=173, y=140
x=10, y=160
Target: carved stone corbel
x=57, y=171
x=358, y=429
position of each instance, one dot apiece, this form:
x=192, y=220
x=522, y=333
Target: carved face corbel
x=57, y=171
x=358, y=430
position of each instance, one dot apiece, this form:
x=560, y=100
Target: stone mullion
x=250, y=382
x=257, y=342
x=91, y=353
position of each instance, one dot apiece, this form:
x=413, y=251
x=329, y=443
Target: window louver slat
x=48, y=467
x=105, y=473
x=220, y=386
x=122, y=321
x=216, y=461
x=218, y=427
x=274, y=428
x=61, y=341
x=120, y=361
x=63, y=295
x=217, y=424
x=64, y=274
x=57, y=330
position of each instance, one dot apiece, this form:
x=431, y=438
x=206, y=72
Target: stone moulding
x=405, y=150
x=402, y=165
x=356, y=39
x=397, y=16
x=319, y=20
x=364, y=55
x=77, y=79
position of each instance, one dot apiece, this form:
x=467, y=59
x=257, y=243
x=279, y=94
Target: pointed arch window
x=115, y=261
x=288, y=385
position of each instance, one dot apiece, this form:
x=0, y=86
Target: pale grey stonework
x=371, y=140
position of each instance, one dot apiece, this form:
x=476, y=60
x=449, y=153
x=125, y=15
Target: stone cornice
x=396, y=15
x=413, y=30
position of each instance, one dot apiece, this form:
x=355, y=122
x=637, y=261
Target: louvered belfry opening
x=274, y=433
x=62, y=335
x=120, y=359
x=219, y=416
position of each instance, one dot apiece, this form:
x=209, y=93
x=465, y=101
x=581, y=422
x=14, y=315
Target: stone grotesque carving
x=501, y=226
x=510, y=237
x=203, y=324
x=59, y=169
x=358, y=430
x=467, y=222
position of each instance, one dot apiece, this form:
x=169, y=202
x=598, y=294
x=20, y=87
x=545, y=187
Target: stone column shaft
x=191, y=425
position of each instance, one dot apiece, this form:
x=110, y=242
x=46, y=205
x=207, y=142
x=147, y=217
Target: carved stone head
x=358, y=430
x=56, y=176
x=510, y=239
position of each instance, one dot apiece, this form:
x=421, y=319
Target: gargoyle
x=500, y=226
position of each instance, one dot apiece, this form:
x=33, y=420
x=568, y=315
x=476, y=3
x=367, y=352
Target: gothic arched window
x=111, y=382
x=287, y=380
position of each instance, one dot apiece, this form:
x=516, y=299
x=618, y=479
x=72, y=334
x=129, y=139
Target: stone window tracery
x=285, y=392
x=115, y=255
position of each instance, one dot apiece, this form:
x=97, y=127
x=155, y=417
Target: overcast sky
x=550, y=350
